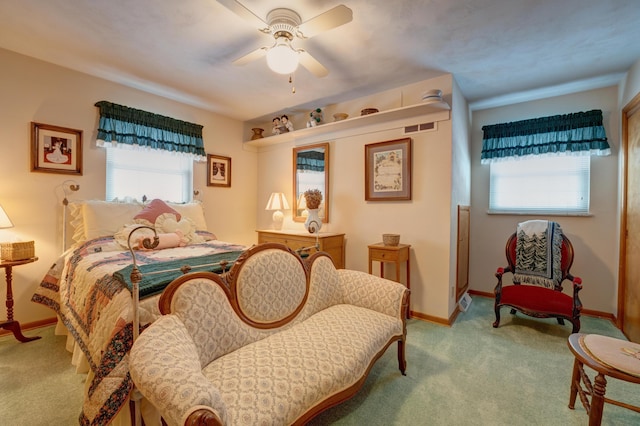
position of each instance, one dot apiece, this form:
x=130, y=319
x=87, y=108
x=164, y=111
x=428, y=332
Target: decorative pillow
x=166, y=223
x=170, y=240
x=193, y=211
x=167, y=239
x=154, y=209
x=123, y=235
x=92, y=219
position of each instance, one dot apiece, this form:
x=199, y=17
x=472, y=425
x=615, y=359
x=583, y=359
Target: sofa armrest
x=166, y=369
x=372, y=292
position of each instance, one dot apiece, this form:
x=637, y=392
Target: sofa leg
x=402, y=362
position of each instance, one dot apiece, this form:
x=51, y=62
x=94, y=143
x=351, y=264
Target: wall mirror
x=310, y=171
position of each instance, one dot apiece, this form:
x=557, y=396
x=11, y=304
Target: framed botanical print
x=218, y=170
x=388, y=170
x=56, y=149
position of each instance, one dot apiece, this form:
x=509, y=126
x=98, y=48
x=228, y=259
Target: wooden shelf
x=390, y=119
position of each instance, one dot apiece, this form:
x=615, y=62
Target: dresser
x=330, y=242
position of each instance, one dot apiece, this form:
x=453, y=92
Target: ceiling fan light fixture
x=281, y=58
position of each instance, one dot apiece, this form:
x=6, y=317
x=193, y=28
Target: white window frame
x=557, y=185
x=134, y=173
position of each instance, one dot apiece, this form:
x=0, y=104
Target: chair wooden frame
x=537, y=301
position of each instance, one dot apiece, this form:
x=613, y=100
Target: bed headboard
x=88, y=219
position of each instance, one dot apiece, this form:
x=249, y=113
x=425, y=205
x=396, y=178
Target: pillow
x=170, y=240
x=167, y=239
x=193, y=211
x=154, y=209
x=123, y=235
x=92, y=219
x=166, y=223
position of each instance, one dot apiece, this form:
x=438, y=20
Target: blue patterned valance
x=133, y=127
x=310, y=161
x=580, y=133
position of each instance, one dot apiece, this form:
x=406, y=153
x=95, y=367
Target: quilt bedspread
x=97, y=310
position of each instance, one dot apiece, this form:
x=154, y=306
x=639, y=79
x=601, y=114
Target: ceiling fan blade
x=310, y=63
x=252, y=56
x=244, y=13
x=332, y=18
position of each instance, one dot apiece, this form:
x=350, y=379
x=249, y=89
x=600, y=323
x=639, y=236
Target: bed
x=88, y=288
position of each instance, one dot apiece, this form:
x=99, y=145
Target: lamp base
x=278, y=219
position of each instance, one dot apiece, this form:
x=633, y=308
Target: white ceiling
x=183, y=49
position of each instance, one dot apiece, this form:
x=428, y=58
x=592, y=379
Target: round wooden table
x=597, y=390
x=11, y=324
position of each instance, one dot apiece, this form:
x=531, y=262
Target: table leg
x=9, y=302
x=597, y=401
x=575, y=382
x=10, y=324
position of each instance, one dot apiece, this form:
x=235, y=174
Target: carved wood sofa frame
x=284, y=309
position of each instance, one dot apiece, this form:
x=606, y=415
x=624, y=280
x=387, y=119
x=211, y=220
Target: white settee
x=275, y=341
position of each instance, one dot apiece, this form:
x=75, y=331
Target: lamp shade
x=302, y=202
x=5, y=222
x=281, y=58
x=277, y=201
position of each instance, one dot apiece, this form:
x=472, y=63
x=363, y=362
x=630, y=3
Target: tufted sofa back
x=268, y=289
x=269, y=286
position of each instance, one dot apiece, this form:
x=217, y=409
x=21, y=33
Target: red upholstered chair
x=537, y=301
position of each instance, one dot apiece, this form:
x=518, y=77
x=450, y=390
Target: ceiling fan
x=285, y=25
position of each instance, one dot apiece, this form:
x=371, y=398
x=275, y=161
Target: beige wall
x=37, y=91
x=595, y=237
x=445, y=171
x=424, y=222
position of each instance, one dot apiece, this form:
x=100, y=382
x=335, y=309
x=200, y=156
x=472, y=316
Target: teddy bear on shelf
x=315, y=118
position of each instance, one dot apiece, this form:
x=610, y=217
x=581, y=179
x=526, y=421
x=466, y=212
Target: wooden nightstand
x=378, y=252
x=330, y=242
x=11, y=324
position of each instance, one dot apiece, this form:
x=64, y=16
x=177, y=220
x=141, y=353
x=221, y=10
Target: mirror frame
x=325, y=195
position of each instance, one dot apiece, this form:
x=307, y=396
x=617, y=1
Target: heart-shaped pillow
x=167, y=223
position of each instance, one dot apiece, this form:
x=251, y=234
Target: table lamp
x=277, y=202
x=5, y=222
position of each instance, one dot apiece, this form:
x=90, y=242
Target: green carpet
x=473, y=374
x=468, y=374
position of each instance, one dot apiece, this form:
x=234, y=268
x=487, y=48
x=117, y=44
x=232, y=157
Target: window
x=154, y=173
x=540, y=184
x=542, y=165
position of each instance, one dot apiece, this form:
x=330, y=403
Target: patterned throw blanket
x=96, y=309
x=156, y=276
x=538, y=253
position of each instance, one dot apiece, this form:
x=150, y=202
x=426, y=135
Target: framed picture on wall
x=218, y=170
x=56, y=149
x=388, y=170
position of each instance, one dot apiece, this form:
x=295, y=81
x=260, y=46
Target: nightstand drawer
x=385, y=255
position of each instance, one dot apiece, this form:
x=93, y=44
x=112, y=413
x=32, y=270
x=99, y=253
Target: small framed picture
x=56, y=149
x=218, y=170
x=388, y=170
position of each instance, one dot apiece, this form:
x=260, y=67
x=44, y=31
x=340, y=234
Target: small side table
x=596, y=390
x=379, y=252
x=11, y=324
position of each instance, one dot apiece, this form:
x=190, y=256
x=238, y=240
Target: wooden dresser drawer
x=331, y=243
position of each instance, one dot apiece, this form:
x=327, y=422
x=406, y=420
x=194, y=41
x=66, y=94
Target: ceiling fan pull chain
x=293, y=87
